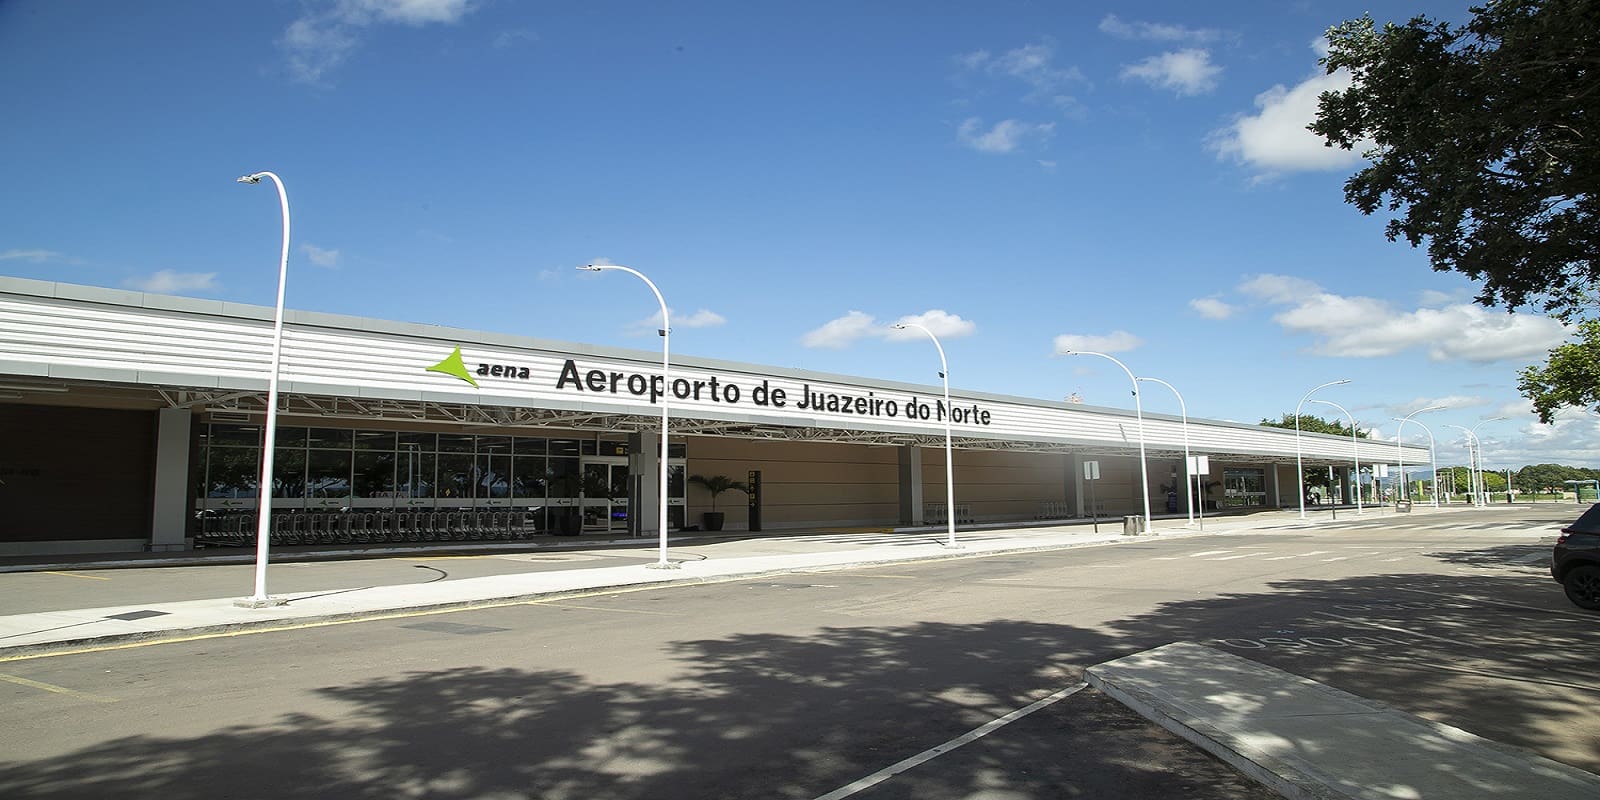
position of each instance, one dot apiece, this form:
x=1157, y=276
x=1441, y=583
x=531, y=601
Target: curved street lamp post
x=1354, y=449
x=1399, y=454
x=1138, y=411
x=666, y=391
x=1299, y=462
x=1188, y=475
x=269, y=441
x=949, y=463
x=1483, y=490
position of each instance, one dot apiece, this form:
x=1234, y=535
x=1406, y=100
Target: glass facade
x=538, y=482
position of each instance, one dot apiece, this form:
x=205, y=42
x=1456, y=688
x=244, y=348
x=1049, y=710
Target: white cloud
x=846, y=330
x=1155, y=31
x=1365, y=327
x=1034, y=66
x=167, y=281
x=36, y=256
x=1005, y=137
x=1186, y=72
x=514, y=38
x=1115, y=342
x=1212, y=308
x=1278, y=288
x=842, y=332
x=1275, y=139
x=942, y=323
x=320, y=256
x=1573, y=437
x=704, y=318
x=1431, y=297
x=320, y=41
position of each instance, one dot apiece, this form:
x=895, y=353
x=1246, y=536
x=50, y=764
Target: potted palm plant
x=716, y=484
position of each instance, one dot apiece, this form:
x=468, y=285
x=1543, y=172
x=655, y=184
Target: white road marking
x=1209, y=553
x=928, y=755
x=1241, y=555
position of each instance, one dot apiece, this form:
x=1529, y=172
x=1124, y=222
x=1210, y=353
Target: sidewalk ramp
x=1303, y=739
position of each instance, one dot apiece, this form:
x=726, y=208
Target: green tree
x=1310, y=424
x=1569, y=377
x=1484, y=145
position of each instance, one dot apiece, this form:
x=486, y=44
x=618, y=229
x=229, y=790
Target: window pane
x=289, y=473
x=494, y=444
x=455, y=442
x=233, y=472
x=374, y=440
x=374, y=473
x=328, y=473
x=415, y=473
x=527, y=477
x=493, y=475
x=455, y=476
x=531, y=447
x=563, y=447
x=230, y=435
x=563, y=474
x=424, y=442
x=291, y=436
x=329, y=438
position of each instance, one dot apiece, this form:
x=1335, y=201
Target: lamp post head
x=256, y=178
x=591, y=268
x=898, y=326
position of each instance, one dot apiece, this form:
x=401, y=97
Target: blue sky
x=1021, y=177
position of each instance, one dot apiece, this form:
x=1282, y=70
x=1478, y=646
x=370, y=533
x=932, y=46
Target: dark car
x=1576, y=561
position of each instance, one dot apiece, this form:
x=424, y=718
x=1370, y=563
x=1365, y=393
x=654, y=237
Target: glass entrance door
x=605, y=495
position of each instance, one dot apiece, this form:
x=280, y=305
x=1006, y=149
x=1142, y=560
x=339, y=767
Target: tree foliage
x=1485, y=139
x=1569, y=377
x=1310, y=424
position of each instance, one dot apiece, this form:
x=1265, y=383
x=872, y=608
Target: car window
x=1589, y=522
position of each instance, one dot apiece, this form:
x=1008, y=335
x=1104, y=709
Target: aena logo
x=453, y=366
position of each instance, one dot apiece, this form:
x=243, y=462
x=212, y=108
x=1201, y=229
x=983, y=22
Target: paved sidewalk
x=696, y=558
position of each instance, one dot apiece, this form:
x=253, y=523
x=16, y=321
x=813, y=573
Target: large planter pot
x=712, y=520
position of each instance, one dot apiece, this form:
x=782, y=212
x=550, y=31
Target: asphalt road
x=810, y=685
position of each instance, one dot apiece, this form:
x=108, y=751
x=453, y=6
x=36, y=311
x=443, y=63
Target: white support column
x=169, y=515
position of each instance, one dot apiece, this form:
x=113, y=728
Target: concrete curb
x=283, y=616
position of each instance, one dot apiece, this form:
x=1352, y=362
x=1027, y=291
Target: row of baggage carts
x=359, y=527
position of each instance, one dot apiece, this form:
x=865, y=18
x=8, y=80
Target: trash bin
x=1402, y=506
x=1131, y=526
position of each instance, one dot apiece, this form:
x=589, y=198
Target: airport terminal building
x=133, y=421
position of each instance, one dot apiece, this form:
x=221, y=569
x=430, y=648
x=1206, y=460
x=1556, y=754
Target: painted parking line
x=934, y=752
x=54, y=689
x=76, y=575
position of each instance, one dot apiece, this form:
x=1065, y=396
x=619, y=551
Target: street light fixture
x=1472, y=475
x=1433, y=455
x=1399, y=454
x=1138, y=411
x=1354, y=448
x=949, y=463
x=1299, y=463
x=1482, y=490
x=666, y=392
x=269, y=442
x=1188, y=477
